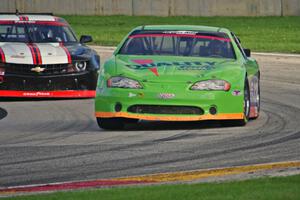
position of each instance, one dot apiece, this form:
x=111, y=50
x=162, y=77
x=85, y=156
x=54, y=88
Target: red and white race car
x=40, y=56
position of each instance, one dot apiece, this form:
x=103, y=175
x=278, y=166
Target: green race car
x=178, y=73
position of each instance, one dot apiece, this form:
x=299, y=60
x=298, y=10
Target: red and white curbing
x=149, y=179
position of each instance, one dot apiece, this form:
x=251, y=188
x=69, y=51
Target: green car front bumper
x=164, y=102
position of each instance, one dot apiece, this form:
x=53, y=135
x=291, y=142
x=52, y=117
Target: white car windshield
x=36, y=32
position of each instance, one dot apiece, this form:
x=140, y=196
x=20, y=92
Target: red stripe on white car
x=34, y=60
x=67, y=52
x=38, y=54
x=23, y=18
x=2, y=55
x=52, y=53
x=18, y=53
x=6, y=22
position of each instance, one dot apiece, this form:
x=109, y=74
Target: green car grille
x=161, y=109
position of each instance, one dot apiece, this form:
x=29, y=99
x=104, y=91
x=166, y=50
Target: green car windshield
x=178, y=43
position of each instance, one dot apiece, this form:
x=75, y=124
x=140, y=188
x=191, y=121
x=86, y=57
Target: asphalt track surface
x=59, y=140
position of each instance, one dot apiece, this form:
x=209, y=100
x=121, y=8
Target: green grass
x=280, y=188
x=267, y=34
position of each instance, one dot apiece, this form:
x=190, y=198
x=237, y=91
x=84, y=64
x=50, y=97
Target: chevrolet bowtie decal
x=38, y=69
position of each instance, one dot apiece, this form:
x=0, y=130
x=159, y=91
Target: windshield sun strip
x=47, y=23
x=180, y=35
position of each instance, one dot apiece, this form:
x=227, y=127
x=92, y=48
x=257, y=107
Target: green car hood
x=175, y=68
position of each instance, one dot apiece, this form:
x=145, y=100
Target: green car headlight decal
x=123, y=82
x=211, y=85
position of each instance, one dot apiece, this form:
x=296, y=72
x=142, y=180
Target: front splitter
x=225, y=116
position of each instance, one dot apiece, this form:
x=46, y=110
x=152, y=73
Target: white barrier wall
x=157, y=7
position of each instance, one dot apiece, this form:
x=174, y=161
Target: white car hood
x=34, y=53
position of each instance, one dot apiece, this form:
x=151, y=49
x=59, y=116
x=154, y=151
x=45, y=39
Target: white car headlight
x=123, y=82
x=211, y=85
x=80, y=65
